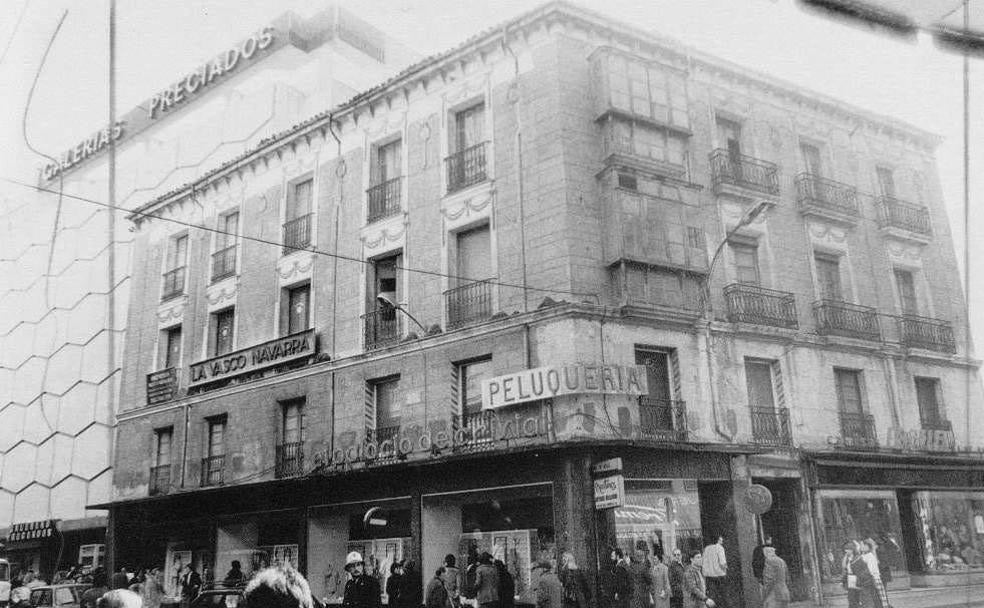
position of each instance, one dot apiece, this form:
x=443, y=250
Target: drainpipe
x=340, y=171
x=514, y=97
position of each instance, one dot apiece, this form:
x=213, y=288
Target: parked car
x=219, y=597
x=58, y=596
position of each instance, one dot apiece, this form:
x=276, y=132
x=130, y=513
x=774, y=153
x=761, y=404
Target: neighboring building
x=59, y=351
x=547, y=201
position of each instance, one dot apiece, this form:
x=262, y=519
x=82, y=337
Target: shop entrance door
x=781, y=522
x=717, y=518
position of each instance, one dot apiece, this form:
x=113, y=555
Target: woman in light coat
x=775, y=578
x=661, y=584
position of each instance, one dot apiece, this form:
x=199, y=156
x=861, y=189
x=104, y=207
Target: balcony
x=297, y=234
x=742, y=171
x=836, y=318
x=384, y=199
x=466, y=167
x=383, y=434
x=930, y=334
x=826, y=198
x=760, y=306
x=895, y=214
x=858, y=430
x=662, y=419
x=160, y=480
x=290, y=460
x=381, y=328
x=481, y=425
x=223, y=263
x=213, y=471
x=173, y=286
x=936, y=424
x=770, y=426
x=471, y=303
x=162, y=385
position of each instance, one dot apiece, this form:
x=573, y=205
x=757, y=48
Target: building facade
x=564, y=266
x=66, y=263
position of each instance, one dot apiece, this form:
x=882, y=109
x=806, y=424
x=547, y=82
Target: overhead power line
x=337, y=256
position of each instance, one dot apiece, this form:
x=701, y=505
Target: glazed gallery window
x=640, y=139
x=658, y=516
x=651, y=91
x=950, y=527
x=858, y=515
x=221, y=333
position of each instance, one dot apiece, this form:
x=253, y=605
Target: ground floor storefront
x=52, y=545
x=522, y=507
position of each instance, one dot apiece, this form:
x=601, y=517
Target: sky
x=159, y=40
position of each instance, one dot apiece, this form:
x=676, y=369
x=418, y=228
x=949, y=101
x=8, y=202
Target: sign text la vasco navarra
x=179, y=92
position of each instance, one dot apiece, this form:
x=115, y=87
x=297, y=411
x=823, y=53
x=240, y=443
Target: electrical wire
x=337, y=256
x=13, y=34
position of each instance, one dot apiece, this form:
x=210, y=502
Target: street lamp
x=386, y=301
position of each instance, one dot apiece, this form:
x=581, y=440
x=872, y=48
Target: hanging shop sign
x=757, y=499
x=609, y=492
x=289, y=348
x=554, y=380
x=607, y=467
x=921, y=440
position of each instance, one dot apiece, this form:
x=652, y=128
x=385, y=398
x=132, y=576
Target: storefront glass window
x=951, y=526
x=850, y=515
x=659, y=515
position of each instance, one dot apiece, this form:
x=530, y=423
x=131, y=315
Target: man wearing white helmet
x=361, y=590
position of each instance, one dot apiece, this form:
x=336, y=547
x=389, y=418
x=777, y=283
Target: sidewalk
x=962, y=596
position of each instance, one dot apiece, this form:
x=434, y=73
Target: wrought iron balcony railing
x=837, y=318
x=895, y=213
x=385, y=434
x=663, y=419
x=224, y=263
x=820, y=192
x=770, y=425
x=466, y=167
x=471, y=303
x=160, y=480
x=923, y=332
x=213, y=470
x=297, y=233
x=760, y=306
x=858, y=430
x=481, y=426
x=290, y=460
x=174, y=281
x=384, y=199
x=744, y=171
x=381, y=328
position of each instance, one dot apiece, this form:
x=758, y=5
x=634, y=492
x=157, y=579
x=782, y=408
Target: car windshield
x=4, y=572
x=41, y=597
x=64, y=596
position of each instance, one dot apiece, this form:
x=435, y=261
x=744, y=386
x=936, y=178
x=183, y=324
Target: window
x=811, y=159
x=470, y=377
x=746, y=263
x=629, y=182
x=216, y=437
x=299, y=203
x=919, y=188
x=650, y=91
x=927, y=396
x=221, y=334
x=292, y=427
x=170, y=348
x=466, y=164
x=657, y=364
x=639, y=139
x=828, y=277
x=92, y=556
x=224, y=258
x=468, y=128
x=297, y=216
x=296, y=312
x=849, y=391
x=474, y=255
x=886, y=182
x=759, y=383
x=729, y=137
x=905, y=282
x=388, y=165
x=228, y=230
x=174, y=267
x=383, y=408
x=162, y=440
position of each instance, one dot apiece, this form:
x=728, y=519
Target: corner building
x=546, y=206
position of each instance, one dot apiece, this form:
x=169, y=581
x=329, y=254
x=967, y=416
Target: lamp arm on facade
x=412, y=318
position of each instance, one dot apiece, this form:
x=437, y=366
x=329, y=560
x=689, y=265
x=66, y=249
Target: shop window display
x=951, y=526
x=850, y=515
x=659, y=515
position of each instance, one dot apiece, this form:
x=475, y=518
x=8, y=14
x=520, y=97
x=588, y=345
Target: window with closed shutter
x=474, y=255
x=216, y=437
x=163, y=452
x=927, y=396
x=293, y=421
x=849, y=391
x=746, y=263
x=906, y=284
x=828, y=277
x=759, y=383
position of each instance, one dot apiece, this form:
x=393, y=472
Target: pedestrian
x=694, y=584
x=91, y=596
x=549, y=590
x=436, y=595
x=870, y=550
x=120, y=579
x=394, y=584
x=507, y=585
x=577, y=592
x=775, y=579
x=280, y=587
x=661, y=583
x=486, y=582
x=151, y=591
x=621, y=579
x=410, y=591
x=119, y=598
x=758, y=559
x=715, y=568
x=361, y=590
x=858, y=581
x=452, y=579
x=676, y=579
x=191, y=584
x=469, y=575
x=642, y=580
x=235, y=576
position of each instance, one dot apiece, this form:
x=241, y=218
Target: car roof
x=59, y=586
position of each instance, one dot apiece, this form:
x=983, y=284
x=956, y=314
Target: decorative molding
x=171, y=312
x=220, y=294
x=384, y=236
x=828, y=235
x=295, y=267
x=471, y=86
x=910, y=255
x=385, y=123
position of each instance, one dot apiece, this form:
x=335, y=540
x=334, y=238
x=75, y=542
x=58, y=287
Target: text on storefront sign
x=551, y=381
x=282, y=350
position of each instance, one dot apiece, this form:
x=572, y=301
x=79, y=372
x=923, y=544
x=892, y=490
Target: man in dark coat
x=758, y=559
x=436, y=595
x=120, y=580
x=676, y=580
x=486, y=582
x=621, y=580
x=507, y=586
x=361, y=590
